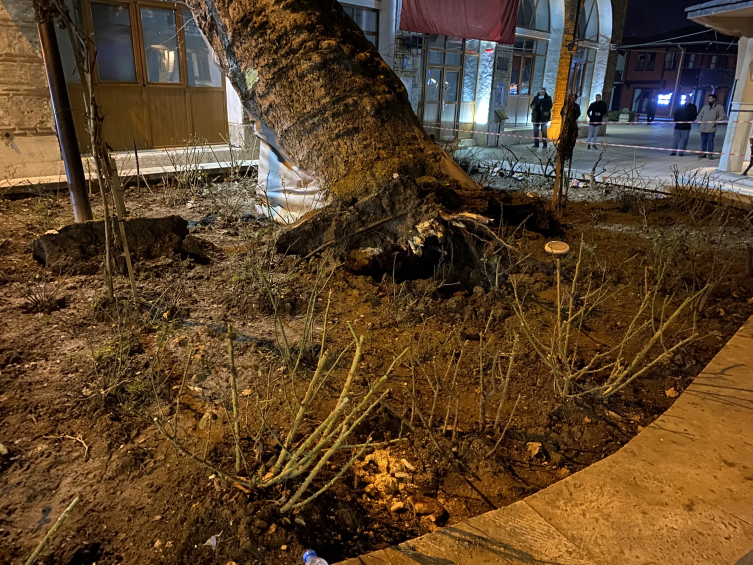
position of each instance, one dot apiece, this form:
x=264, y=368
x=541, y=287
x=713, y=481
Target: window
x=366, y=19
x=620, y=66
x=533, y=14
x=202, y=70
x=528, y=62
x=640, y=64
x=646, y=62
x=588, y=22
x=444, y=50
x=160, y=45
x=718, y=62
x=670, y=61
x=112, y=33
x=690, y=61
x=581, y=73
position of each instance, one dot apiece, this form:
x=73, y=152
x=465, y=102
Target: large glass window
x=202, y=70
x=581, y=73
x=160, y=45
x=445, y=50
x=366, y=19
x=588, y=22
x=528, y=63
x=533, y=14
x=112, y=33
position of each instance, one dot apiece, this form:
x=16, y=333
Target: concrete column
x=388, y=21
x=737, y=137
x=235, y=116
x=484, y=92
x=557, y=28
x=602, y=55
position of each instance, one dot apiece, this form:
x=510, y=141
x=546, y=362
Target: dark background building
x=665, y=58
x=680, y=66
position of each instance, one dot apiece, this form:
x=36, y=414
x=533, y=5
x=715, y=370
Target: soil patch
x=81, y=382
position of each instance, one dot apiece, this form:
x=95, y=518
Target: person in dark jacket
x=541, y=114
x=686, y=113
x=650, y=110
x=597, y=113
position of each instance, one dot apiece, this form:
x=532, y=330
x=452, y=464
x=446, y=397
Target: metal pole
x=677, y=81
x=66, y=130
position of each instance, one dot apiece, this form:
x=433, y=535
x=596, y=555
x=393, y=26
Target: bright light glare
x=663, y=99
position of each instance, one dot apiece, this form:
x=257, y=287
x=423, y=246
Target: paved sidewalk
x=645, y=168
x=679, y=493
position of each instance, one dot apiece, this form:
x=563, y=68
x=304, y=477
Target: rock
x=397, y=507
x=198, y=249
x=425, y=506
x=299, y=521
x=407, y=465
x=672, y=393
x=533, y=448
x=3, y=450
x=157, y=544
x=79, y=248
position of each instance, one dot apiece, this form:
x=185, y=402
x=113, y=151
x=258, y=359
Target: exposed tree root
x=415, y=229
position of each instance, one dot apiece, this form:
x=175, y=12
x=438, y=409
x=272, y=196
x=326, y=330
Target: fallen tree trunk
x=304, y=69
x=335, y=109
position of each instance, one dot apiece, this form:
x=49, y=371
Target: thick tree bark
x=336, y=109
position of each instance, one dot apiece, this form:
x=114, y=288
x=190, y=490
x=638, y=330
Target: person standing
x=650, y=109
x=685, y=113
x=596, y=113
x=541, y=114
x=708, y=116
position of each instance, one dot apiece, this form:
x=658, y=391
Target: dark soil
x=80, y=378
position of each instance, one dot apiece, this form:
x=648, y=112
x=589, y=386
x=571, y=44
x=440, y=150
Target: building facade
x=159, y=85
x=733, y=18
x=670, y=72
x=458, y=86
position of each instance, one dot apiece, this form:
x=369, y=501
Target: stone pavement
x=639, y=167
x=679, y=493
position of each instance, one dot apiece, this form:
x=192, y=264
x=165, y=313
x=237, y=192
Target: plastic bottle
x=310, y=558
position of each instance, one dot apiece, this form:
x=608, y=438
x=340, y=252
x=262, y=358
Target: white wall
x=557, y=27
x=602, y=55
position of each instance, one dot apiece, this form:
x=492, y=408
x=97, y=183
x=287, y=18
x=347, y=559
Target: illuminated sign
x=663, y=99
x=683, y=99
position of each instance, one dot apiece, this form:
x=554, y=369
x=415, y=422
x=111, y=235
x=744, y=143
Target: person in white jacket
x=711, y=113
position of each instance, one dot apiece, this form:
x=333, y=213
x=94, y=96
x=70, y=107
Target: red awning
x=492, y=20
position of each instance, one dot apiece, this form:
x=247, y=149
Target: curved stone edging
x=679, y=493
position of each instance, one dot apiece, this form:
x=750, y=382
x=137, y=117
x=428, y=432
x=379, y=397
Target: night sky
x=652, y=17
